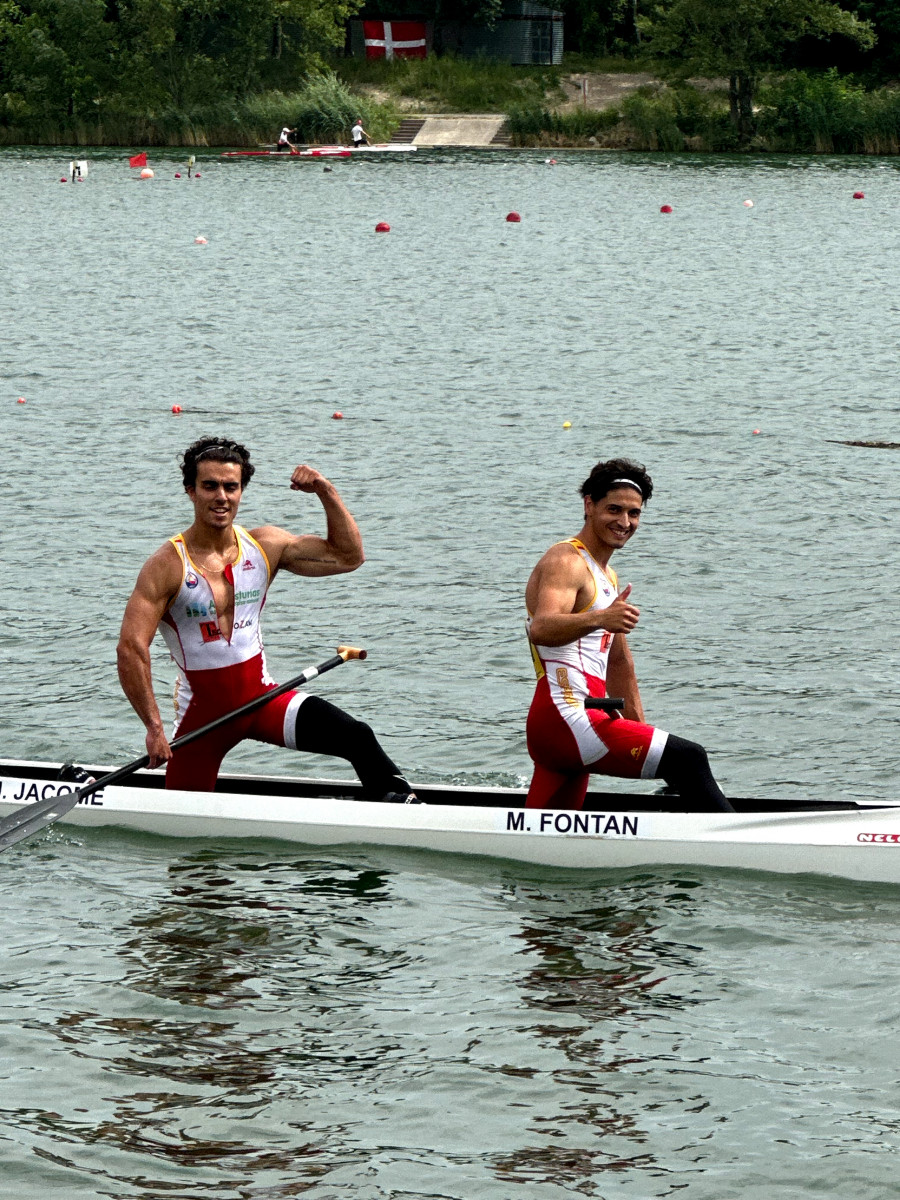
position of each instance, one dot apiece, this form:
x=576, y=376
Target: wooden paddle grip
x=348, y=652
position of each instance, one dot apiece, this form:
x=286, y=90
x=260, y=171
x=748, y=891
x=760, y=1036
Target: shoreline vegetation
x=799, y=111
x=800, y=76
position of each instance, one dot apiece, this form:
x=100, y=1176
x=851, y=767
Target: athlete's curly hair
x=219, y=450
x=605, y=474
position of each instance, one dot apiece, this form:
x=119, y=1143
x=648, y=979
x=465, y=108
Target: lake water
x=215, y=1020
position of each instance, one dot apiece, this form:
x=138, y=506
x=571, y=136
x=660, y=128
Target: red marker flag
x=395, y=39
x=139, y=160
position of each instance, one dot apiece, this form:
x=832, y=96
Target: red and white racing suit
x=217, y=674
x=568, y=741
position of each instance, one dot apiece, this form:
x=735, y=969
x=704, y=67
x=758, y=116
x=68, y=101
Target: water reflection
x=270, y=944
x=606, y=964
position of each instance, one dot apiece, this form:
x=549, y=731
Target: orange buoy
x=666, y=208
x=382, y=227
x=513, y=218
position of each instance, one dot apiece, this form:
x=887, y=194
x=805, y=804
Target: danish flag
x=395, y=39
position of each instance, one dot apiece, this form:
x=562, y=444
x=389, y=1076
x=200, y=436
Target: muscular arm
x=157, y=583
x=621, y=679
x=340, y=550
x=560, y=585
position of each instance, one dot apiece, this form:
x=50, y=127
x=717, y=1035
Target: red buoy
x=382, y=227
x=667, y=208
x=513, y=217
x=337, y=416
x=21, y=400
x=176, y=408
x=859, y=195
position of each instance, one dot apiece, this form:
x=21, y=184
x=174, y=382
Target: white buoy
x=146, y=173
x=748, y=204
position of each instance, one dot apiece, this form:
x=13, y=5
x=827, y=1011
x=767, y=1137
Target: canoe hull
x=860, y=844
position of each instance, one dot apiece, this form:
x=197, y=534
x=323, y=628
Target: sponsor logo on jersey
x=891, y=838
x=562, y=678
x=636, y=751
x=249, y=596
x=248, y=565
x=199, y=610
x=210, y=631
x=191, y=580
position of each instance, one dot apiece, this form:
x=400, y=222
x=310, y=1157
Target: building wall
x=527, y=33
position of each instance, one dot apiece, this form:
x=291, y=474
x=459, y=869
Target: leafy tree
x=55, y=55
x=742, y=40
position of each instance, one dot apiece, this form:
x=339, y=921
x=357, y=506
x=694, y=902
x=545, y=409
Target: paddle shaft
x=32, y=818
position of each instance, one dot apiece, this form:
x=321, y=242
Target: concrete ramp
x=466, y=130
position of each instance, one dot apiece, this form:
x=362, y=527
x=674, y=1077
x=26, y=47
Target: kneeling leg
x=323, y=728
x=685, y=767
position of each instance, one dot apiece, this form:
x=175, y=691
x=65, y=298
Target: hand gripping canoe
x=34, y=817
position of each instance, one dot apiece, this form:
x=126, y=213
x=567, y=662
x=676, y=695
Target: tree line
x=87, y=59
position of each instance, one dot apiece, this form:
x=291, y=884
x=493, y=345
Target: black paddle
x=608, y=704
x=34, y=817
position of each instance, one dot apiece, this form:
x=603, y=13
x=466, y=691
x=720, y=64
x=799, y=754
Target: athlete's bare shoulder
x=562, y=559
x=161, y=575
x=560, y=569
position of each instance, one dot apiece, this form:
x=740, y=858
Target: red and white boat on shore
x=323, y=151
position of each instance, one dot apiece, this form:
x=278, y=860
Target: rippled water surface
x=215, y=1020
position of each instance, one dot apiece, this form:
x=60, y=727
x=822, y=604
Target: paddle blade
x=22, y=824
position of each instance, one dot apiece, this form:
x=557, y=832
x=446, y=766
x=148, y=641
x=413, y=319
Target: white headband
x=631, y=483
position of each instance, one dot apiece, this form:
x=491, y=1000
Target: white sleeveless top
x=216, y=671
x=584, y=662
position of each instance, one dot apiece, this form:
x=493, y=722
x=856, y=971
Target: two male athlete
x=204, y=589
x=578, y=623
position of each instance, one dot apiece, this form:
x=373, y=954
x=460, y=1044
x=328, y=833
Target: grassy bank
x=799, y=112
x=323, y=109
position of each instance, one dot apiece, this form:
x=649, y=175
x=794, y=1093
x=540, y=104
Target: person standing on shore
x=359, y=135
x=578, y=622
x=204, y=589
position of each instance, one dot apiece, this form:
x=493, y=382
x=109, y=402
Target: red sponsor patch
x=210, y=631
x=892, y=839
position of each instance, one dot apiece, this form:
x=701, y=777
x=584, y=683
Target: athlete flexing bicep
x=205, y=590
x=339, y=551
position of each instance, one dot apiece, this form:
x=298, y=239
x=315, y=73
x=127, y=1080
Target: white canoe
x=615, y=830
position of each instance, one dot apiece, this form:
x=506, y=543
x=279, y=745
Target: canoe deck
x=432, y=793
